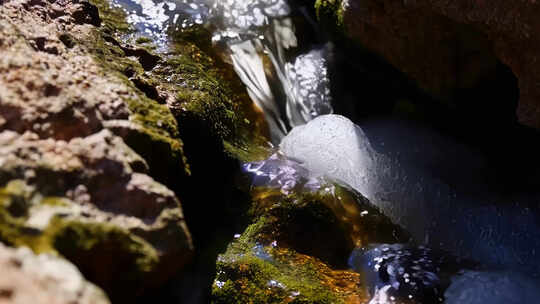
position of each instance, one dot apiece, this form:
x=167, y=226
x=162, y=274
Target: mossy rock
x=327, y=224
x=255, y=272
x=188, y=82
x=297, y=245
x=131, y=65
x=108, y=255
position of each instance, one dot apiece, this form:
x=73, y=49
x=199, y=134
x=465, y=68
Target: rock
x=90, y=200
x=29, y=278
x=253, y=271
x=302, y=203
x=448, y=47
x=68, y=185
x=74, y=90
x=435, y=188
x=304, y=228
x=90, y=143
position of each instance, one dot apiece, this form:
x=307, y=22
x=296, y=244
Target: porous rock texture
x=30, y=278
x=445, y=46
x=69, y=183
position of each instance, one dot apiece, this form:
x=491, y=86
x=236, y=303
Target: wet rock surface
x=110, y=115
x=303, y=229
x=257, y=269
x=30, y=278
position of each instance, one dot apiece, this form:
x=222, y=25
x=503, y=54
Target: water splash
x=287, y=175
x=402, y=272
x=259, y=31
x=309, y=94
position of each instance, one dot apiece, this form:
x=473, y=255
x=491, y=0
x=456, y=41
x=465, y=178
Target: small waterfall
x=258, y=38
x=259, y=31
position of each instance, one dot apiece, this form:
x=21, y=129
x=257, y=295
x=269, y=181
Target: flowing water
x=439, y=189
x=256, y=35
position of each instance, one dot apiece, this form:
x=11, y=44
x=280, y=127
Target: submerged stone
x=302, y=201
x=304, y=228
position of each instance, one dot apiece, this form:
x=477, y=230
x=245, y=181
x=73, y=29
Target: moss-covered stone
x=255, y=272
x=296, y=242
x=341, y=220
x=190, y=78
x=113, y=19
x=109, y=46
x=101, y=250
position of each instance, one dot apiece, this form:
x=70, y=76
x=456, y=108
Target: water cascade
x=256, y=32
x=256, y=37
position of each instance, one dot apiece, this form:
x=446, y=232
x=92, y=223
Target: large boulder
x=96, y=127
x=449, y=47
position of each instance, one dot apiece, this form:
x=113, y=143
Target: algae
x=14, y=231
x=194, y=80
x=330, y=12
x=251, y=272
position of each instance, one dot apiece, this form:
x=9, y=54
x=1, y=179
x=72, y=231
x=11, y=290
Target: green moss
x=76, y=240
x=202, y=86
x=13, y=229
x=113, y=19
x=55, y=202
x=330, y=12
x=252, y=273
x=247, y=151
x=143, y=40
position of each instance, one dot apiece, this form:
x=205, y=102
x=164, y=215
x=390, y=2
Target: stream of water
x=437, y=188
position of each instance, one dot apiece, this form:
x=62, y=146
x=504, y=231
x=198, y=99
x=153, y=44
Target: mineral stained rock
x=82, y=145
x=256, y=271
x=445, y=46
x=30, y=278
